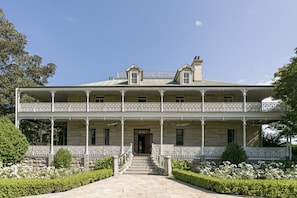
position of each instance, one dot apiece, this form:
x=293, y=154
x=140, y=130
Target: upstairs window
x=186, y=77
x=134, y=78
x=228, y=99
x=179, y=99
x=141, y=99
x=99, y=99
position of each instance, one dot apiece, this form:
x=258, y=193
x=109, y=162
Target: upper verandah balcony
x=214, y=99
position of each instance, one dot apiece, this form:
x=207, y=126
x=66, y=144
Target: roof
x=158, y=82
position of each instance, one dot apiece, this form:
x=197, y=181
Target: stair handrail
x=125, y=159
x=157, y=158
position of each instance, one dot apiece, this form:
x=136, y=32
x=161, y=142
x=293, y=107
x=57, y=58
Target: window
x=106, y=136
x=179, y=137
x=93, y=136
x=99, y=99
x=186, y=77
x=231, y=135
x=179, y=99
x=228, y=99
x=141, y=99
x=134, y=78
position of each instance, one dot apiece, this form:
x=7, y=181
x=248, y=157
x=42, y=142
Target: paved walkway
x=137, y=186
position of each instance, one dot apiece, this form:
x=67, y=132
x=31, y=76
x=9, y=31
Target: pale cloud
x=242, y=81
x=198, y=23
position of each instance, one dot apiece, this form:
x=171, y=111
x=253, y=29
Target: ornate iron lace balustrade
x=182, y=107
x=76, y=151
x=223, y=107
x=70, y=107
x=105, y=107
x=211, y=152
x=142, y=106
x=152, y=107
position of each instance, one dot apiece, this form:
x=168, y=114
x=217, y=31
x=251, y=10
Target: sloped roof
x=158, y=82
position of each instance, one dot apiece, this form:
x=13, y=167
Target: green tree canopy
x=286, y=90
x=13, y=144
x=17, y=67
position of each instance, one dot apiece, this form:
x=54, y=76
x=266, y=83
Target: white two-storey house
x=175, y=113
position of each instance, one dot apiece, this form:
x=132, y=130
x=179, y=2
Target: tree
x=17, y=67
x=234, y=154
x=286, y=90
x=14, y=144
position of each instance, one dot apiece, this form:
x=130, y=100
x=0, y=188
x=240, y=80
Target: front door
x=142, y=141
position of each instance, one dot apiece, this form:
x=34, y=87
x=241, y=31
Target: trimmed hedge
x=27, y=187
x=262, y=188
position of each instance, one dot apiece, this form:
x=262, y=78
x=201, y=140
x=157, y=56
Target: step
x=141, y=164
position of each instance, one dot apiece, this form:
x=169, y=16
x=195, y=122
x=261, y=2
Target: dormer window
x=134, y=75
x=134, y=78
x=186, y=77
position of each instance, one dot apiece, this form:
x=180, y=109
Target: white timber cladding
x=203, y=110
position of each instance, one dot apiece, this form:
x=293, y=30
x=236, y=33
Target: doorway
x=142, y=141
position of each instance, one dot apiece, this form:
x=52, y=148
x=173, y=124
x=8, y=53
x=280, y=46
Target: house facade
x=175, y=113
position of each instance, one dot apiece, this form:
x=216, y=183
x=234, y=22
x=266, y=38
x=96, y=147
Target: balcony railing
x=212, y=153
x=151, y=107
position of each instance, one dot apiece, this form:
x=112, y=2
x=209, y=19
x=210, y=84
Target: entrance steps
x=142, y=165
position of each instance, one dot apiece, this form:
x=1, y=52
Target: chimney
x=197, y=65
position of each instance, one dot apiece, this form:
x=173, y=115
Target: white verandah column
x=122, y=141
x=53, y=100
x=202, y=98
x=88, y=100
x=244, y=99
x=202, y=135
x=244, y=132
x=162, y=100
x=52, y=136
x=17, y=101
x=123, y=100
x=87, y=137
x=161, y=136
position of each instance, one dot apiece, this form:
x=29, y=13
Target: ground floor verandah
x=182, y=139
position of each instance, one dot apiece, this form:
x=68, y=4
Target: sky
x=242, y=41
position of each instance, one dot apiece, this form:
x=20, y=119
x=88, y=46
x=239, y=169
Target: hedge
x=262, y=188
x=27, y=187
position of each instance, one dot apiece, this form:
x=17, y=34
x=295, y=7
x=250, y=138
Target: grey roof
x=158, y=82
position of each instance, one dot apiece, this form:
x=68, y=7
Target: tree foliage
x=62, y=158
x=234, y=154
x=13, y=144
x=286, y=90
x=17, y=67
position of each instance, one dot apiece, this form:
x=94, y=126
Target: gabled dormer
x=184, y=75
x=134, y=75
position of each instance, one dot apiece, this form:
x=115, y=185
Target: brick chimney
x=197, y=65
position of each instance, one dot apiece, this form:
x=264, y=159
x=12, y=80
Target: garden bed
x=25, y=187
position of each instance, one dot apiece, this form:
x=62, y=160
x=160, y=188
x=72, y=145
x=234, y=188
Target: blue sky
x=240, y=41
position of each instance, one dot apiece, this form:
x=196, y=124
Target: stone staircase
x=142, y=165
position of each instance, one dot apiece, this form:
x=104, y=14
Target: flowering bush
x=261, y=170
x=25, y=171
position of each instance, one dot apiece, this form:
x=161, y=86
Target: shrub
x=262, y=188
x=234, y=154
x=14, y=144
x=62, y=159
x=27, y=187
x=183, y=165
x=104, y=163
